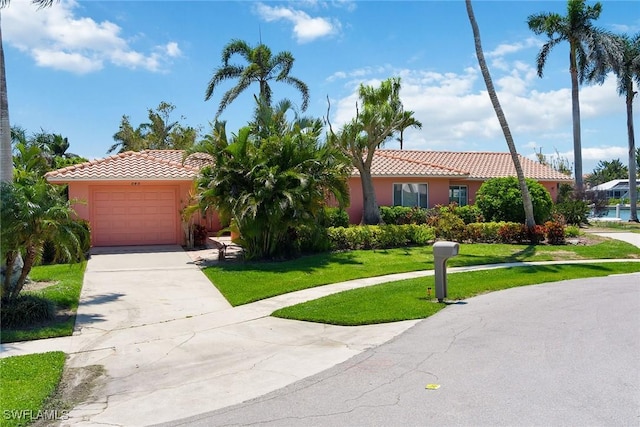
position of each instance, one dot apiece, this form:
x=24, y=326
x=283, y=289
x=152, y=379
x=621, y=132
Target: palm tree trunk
x=6, y=160
x=575, y=112
x=633, y=187
x=29, y=260
x=371, y=211
x=526, y=197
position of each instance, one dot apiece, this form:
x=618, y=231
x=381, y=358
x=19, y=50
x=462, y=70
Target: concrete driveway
x=170, y=346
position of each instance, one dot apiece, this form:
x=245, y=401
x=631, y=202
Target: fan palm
x=261, y=67
x=590, y=49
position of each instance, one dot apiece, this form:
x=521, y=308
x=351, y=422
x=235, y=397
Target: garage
x=134, y=216
x=132, y=198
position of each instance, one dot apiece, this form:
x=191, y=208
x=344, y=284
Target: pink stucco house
x=135, y=198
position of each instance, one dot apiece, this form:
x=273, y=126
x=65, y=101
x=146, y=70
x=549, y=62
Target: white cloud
x=305, y=27
x=55, y=37
x=457, y=114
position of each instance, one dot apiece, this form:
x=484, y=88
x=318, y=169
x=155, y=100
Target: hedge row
x=392, y=236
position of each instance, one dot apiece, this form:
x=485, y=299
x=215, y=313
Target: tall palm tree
x=6, y=172
x=261, y=67
x=590, y=49
x=526, y=197
x=628, y=71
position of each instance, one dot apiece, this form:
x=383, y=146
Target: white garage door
x=134, y=216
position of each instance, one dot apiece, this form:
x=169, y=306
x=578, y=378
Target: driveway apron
x=170, y=346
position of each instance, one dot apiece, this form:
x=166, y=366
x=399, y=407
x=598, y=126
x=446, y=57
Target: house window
x=458, y=194
x=410, y=195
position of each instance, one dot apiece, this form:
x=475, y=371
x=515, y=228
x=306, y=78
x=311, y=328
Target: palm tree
x=34, y=211
x=381, y=117
x=407, y=121
x=628, y=71
x=270, y=179
x=262, y=67
x=6, y=174
x=526, y=197
x=157, y=134
x=590, y=49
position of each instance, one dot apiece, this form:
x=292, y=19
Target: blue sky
x=78, y=67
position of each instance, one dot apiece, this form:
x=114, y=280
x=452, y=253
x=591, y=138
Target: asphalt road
x=564, y=353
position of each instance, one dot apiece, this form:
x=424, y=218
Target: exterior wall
x=82, y=190
x=437, y=191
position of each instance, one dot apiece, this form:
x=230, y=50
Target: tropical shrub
x=272, y=177
x=25, y=310
x=379, y=236
x=482, y=232
x=334, y=217
x=51, y=254
x=500, y=199
x=572, y=231
x=401, y=215
x=469, y=213
x=555, y=230
x=574, y=211
x=512, y=232
x=32, y=212
x=448, y=226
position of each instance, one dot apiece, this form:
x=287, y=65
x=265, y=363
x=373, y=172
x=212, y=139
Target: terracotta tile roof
x=389, y=163
x=472, y=165
x=143, y=165
x=168, y=165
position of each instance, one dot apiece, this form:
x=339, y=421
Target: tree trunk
x=6, y=159
x=575, y=112
x=371, y=211
x=29, y=260
x=526, y=197
x=633, y=187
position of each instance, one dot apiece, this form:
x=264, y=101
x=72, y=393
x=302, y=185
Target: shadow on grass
x=311, y=263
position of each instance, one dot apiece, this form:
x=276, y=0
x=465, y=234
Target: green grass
x=65, y=293
x=605, y=226
x=27, y=382
x=241, y=283
x=407, y=299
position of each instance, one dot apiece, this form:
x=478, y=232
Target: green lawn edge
x=242, y=283
x=408, y=299
x=65, y=293
x=27, y=382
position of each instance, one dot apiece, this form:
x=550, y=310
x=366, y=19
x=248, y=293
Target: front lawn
x=27, y=382
x=242, y=283
x=61, y=284
x=407, y=299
